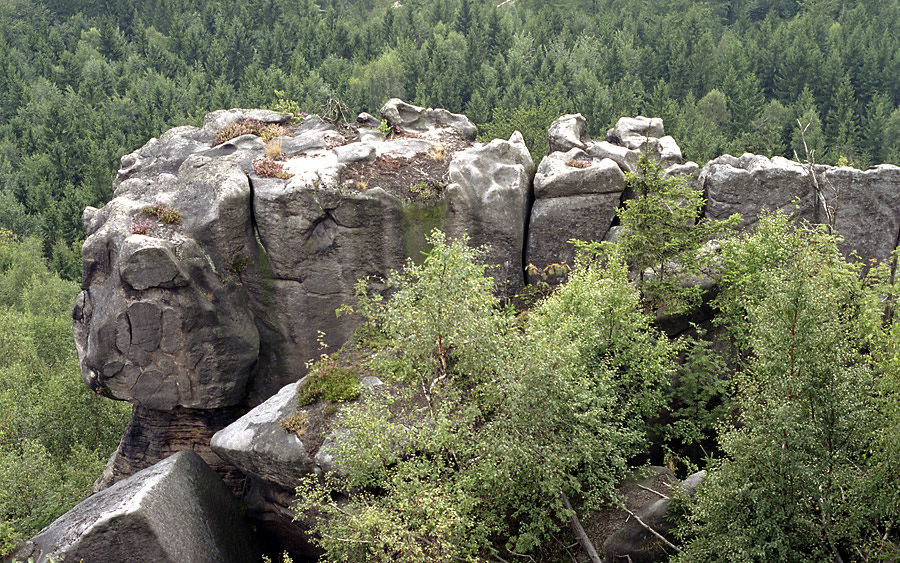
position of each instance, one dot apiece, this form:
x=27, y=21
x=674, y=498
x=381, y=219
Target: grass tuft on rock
x=330, y=382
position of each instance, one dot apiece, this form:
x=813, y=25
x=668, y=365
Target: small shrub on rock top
x=273, y=150
x=141, y=228
x=272, y=131
x=270, y=168
x=267, y=131
x=575, y=163
x=238, y=128
x=295, y=423
x=164, y=213
x=438, y=153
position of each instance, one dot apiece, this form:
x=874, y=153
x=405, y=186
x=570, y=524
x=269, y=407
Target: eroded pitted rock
x=166, y=154
x=414, y=119
x=160, y=324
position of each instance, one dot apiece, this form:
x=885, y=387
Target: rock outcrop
x=866, y=203
x=210, y=282
x=175, y=511
x=213, y=276
x=581, y=183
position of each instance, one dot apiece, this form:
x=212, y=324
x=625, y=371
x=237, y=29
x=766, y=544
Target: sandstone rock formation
x=866, y=203
x=208, y=286
x=175, y=511
x=581, y=183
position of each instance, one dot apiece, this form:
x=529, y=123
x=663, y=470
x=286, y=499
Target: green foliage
x=699, y=402
x=531, y=119
x=385, y=128
x=486, y=420
x=662, y=236
x=55, y=435
x=285, y=105
x=329, y=381
x=792, y=484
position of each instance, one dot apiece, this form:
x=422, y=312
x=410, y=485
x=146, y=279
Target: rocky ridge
x=207, y=287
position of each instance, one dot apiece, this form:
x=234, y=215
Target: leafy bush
x=662, y=236
x=799, y=478
x=487, y=420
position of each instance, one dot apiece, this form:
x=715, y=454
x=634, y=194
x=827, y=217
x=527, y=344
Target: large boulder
x=159, y=323
x=568, y=132
x=488, y=199
x=259, y=444
x=177, y=510
x=414, y=119
x=866, y=204
x=753, y=184
x=276, y=444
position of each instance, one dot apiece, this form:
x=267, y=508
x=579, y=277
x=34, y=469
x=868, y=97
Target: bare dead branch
x=653, y=491
x=580, y=534
x=652, y=531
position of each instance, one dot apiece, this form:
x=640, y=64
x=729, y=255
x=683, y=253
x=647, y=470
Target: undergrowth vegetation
x=492, y=418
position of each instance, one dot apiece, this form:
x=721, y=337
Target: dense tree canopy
x=84, y=82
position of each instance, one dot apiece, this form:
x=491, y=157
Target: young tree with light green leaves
x=488, y=421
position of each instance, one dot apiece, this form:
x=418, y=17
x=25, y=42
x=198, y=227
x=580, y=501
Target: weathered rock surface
x=414, y=119
x=259, y=445
x=568, y=132
x=581, y=183
x=866, y=202
x=158, y=324
x=155, y=434
x=276, y=444
x=175, y=511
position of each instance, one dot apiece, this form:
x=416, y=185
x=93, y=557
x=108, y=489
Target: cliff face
x=208, y=284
